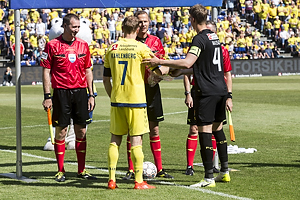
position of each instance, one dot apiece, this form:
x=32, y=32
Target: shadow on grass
x=266, y=164
x=28, y=163
x=23, y=147
x=46, y=177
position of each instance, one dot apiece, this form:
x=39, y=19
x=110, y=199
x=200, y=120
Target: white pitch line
x=122, y=173
x=53, y=159
x=174, y=113
x=33, y=126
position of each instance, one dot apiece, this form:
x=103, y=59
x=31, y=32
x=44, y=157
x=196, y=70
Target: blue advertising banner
x=31, y=4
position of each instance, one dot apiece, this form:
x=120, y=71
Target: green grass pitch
x=266, y=117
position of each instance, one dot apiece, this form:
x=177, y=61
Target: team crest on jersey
x=72, y=58
x=212, y=36
x=114, y=47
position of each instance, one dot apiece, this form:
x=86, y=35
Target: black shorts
x=70, y=103
x=191, y=119
x=210, y=109
x=154, y=104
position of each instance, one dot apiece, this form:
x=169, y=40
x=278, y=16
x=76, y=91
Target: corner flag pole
x=18, y=96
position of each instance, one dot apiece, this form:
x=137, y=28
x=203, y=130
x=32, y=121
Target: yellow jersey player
x=128, y=100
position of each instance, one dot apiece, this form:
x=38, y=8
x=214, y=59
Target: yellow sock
x=137, y=157
x=113, y=156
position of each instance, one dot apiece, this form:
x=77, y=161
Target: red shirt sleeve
x=226, y=60
x=88, y=62
x=46, y=57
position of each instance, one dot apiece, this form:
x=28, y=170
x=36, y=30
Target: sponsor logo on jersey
x=212, y=36
x=216, y=42
x=72, y=58
x=114, y=47
x=44, y=56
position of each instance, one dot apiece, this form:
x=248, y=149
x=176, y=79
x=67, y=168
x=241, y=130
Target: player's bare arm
x=187, y=88
x=179, y=72
x=47, y=103
x=228, y=78
x=177, y=64
x=89, y=79
x=164, y=70
x=107, y=85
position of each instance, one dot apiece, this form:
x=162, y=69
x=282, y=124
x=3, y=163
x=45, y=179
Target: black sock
x=222, y=149
x=206, y=153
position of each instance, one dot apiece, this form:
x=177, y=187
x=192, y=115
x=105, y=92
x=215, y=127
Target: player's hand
x=175, y=72
x=47, y=103
x=189, y=101
x=91, y=104
x=229, y=104
x=153, y=61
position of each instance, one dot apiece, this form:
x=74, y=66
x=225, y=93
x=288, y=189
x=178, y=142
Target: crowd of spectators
x=240, y=26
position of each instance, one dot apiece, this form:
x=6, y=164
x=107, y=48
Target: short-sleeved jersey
x=156, y=47
x=208, y=68
x=68, y=63
x=124, y=59
x=277, y=23
x=226, y=62
x=159, y=17
x=280, y=10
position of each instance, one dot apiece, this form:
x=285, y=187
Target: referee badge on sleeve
x=44, y=56
x=72, y=58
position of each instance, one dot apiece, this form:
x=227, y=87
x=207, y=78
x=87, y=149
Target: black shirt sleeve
x=107, y=72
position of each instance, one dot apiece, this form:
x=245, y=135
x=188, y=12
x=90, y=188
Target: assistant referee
x=66, y=59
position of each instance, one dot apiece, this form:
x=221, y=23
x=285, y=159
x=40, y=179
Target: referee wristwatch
x=91, y=95
x=229, y=95
x=187, y=92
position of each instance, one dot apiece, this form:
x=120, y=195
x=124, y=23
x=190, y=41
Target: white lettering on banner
x=267, y=66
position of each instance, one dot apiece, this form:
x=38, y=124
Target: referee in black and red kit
x=205, y=55
x=67, y=60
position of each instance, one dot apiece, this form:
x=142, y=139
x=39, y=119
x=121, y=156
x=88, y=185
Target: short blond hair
x=130, y=24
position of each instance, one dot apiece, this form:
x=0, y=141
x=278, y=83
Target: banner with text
x=240, y=68
x=265, y=67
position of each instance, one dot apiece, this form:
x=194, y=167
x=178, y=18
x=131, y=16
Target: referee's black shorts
x=70, y=103
x=191, y=118
x=154, y=104
x=210, y=109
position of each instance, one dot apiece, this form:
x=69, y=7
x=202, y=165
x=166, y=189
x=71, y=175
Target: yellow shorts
x=124, y=120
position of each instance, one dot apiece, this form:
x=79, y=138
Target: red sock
x=80, y=146
x=191, y=146
x=60, y=148
x=214, y=144
x=130, y=164
x=156, y=151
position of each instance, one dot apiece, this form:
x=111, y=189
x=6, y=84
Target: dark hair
x=140, y=12
x=68, y=17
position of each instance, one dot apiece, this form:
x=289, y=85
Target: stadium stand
x=244, y=26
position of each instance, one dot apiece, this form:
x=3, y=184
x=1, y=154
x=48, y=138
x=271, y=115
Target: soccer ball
x=149, y=170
